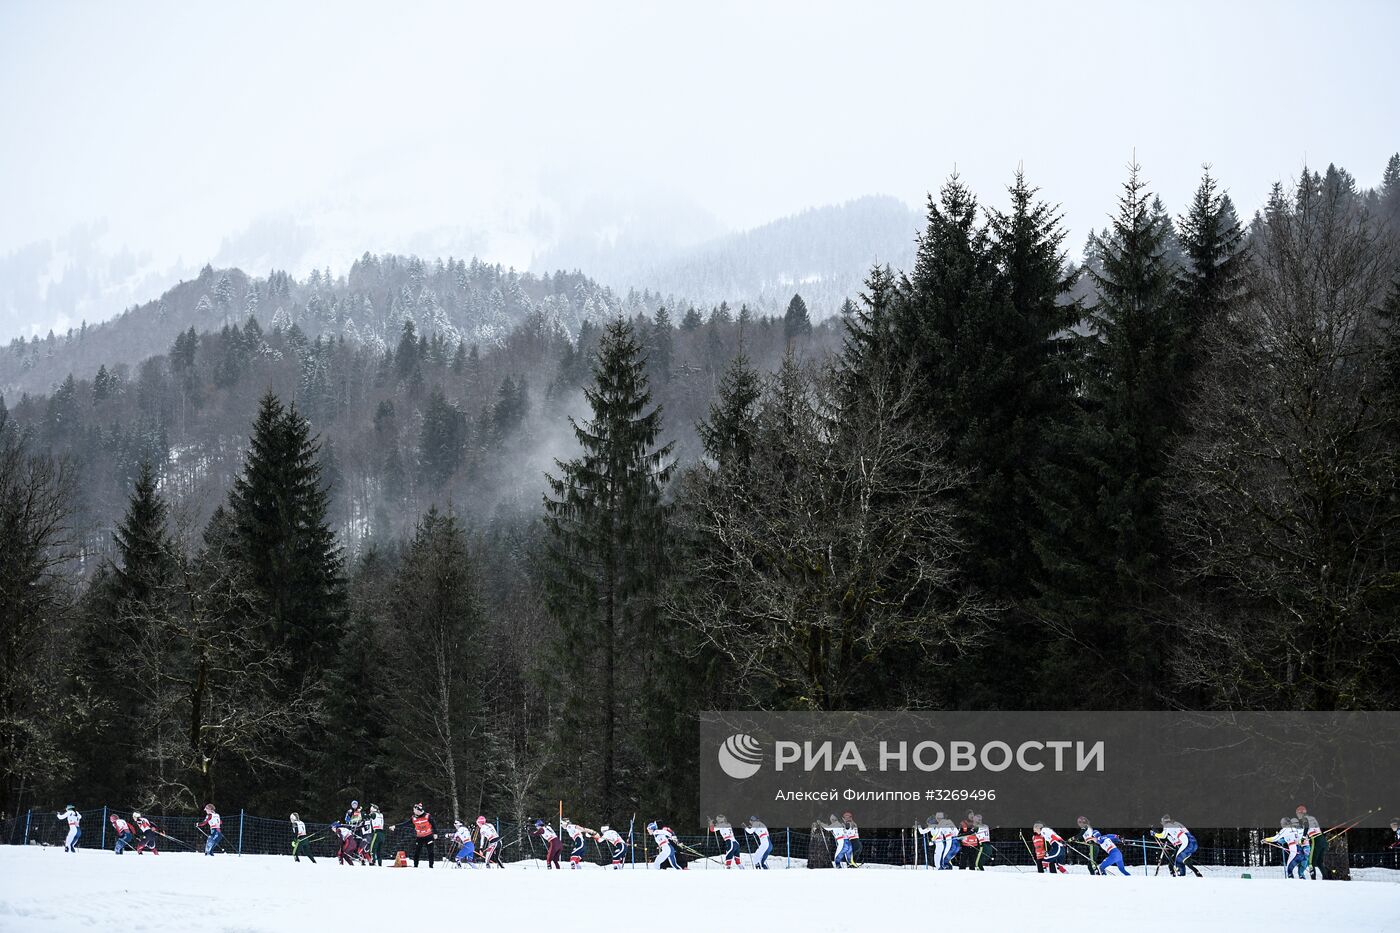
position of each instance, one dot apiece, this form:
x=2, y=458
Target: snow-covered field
x=44, y=889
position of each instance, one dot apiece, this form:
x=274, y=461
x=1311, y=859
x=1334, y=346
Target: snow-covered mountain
x=824, y=253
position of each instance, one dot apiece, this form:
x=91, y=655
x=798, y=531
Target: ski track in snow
x=45, y=889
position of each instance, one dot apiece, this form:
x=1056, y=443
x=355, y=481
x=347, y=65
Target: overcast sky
x=183, y=123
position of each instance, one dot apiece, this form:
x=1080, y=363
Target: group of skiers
x=359, y=836
x=138, y=827
x=966, y=844
x=1304, y=843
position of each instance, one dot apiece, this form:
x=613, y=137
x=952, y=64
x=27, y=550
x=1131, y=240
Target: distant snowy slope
x=43, y=890
x=823, y=253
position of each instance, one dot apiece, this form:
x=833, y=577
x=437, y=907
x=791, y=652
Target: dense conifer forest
x=437, y=530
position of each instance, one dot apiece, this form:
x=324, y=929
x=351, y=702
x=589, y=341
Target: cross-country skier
x=376, y=835
x=1289, y=838
x=618, y=845
x=215, y=824
x=665, y=846
x=348, y=852
x=424, y=834
x=552, y=846
x=75, y=827
x=123, y=830
x=947, y=834
x=463, y=849
x=146, y=831
x=978, y=843
x=490, y=843
x=353, y=816
x=754, y=827
x=930, y=833
x=1054, y=846
x=1395, y=828
x=852, y=838
x=837, y=829
x=966, y=829
x=1180, y=839
x=579, y=836
x=299, y=840
x=720, y=824
x=1317, y=842
x=1112, y=855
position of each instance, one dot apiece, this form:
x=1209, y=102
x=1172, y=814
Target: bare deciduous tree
x=36, y=541
x=830, y=549
x=1284, y=497
x=208, y=685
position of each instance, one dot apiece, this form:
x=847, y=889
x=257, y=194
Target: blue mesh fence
x=246, y=834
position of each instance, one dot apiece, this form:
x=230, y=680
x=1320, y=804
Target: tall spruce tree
x=869, y=344
x=606, y=560
x=124, y=602
x=1212, y=275
x=727, y=435
x=278, y=509
x=797, y=322
x=945, y=315
x=1104, y=556
x=289, y=558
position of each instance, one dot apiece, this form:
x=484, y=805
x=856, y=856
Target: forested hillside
x=359, y=541
x=456, y=300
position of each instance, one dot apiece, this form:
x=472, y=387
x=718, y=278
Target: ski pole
x=1348, y=824
x=1034, y=861
x=1086, y=858
x=173, y=839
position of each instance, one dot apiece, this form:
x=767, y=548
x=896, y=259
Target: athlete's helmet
x=938, y=815
x=565, y=819
x=651, y=827
x=481, y=821
x=847, y=816
x=417, y=808
x=136, y=814
x=354, y=805
x=294, y=816
x=753, y=819
x=1037, y=826
x=70, y=807
x=1301, y=809
x=1165, y=819
x=112, y=818
x=457, y=823
x=976, y=817
x=1285, y=821
x=719, y=817
x=604, y=828
x=373, y=808
x=1083, y=821
x=1394, y=823
x=1293, y=821
x=931, y=820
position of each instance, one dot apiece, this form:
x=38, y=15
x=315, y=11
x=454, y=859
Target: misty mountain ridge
x=822, y=252
x=649, y=241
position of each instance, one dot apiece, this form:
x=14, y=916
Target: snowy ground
x=44, y=889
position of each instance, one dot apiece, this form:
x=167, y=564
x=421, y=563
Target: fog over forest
x=600, y=393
